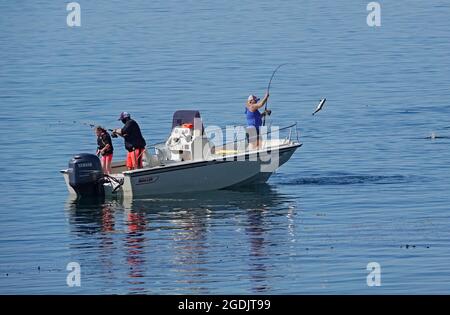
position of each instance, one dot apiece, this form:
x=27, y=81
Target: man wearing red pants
x=134, y=142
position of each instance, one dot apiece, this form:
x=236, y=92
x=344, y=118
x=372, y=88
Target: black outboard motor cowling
x=86, y=175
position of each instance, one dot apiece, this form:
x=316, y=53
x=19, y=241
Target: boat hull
x=197, y=176
x=204, y=176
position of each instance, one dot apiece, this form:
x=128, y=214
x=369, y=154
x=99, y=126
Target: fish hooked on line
x=320, y=106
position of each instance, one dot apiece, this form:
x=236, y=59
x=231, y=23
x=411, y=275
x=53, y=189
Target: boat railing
x=290, y=133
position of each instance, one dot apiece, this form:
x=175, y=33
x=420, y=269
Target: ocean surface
x=368, y=184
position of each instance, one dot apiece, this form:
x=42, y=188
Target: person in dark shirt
x=134, y=142
x=105, y=148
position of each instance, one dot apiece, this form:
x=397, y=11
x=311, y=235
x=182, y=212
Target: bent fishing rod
x=318, y=108
x=268, y=90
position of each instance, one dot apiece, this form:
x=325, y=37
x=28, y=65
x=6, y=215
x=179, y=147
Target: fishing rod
x=84, y=123
x=268, y=89
x=91, y=125
x=113, y=135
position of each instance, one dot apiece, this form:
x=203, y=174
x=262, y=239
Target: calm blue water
x=365, y=187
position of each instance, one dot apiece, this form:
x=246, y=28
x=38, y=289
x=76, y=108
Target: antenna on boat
x=268, y=89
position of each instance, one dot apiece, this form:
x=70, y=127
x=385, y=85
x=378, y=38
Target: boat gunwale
x=193, y=164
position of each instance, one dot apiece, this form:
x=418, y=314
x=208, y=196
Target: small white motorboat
x=187, y=162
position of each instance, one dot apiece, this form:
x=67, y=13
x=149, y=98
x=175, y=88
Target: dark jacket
x=133, y=136
x=103, y=140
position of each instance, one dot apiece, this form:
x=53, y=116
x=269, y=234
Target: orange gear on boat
x=187, y=125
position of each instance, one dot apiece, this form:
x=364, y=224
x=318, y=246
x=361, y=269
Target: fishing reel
x=267, y=112
x=113, y=133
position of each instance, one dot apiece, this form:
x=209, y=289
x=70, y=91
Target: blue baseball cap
x=124, y=115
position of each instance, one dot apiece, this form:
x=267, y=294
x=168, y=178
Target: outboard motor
x=86, y=175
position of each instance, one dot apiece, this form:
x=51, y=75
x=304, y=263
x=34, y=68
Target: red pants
x=134, y=159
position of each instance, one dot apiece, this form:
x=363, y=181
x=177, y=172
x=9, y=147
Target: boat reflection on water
x=112, y=240
x=181, y=243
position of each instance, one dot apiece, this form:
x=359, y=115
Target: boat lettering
x=84, y=165
x=147, y=180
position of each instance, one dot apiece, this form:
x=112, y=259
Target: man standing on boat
x=254, y=118
x=134, y=142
